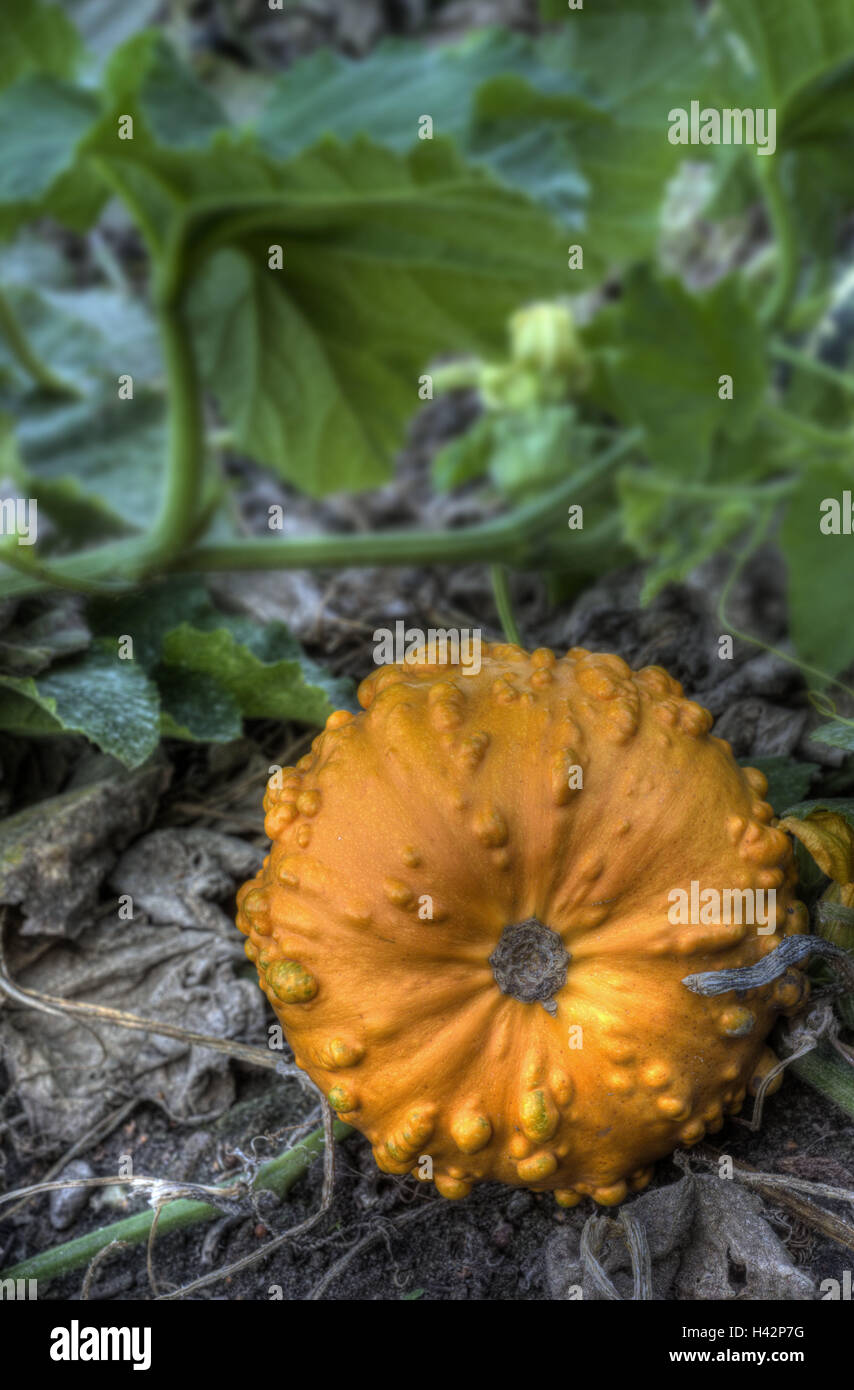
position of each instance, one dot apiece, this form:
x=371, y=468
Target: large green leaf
x=89, y=336
x=792, y=44
x=470, y=90
x=387, y=261
x=386, y=94
x=637, y=62
x=820, y=572
x=94, y=461
x=799, y=58
x=43, y=123
x=95, y=465
x=673, y=348
x=36, y=37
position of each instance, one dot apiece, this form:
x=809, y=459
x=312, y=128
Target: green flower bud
x=509, y=387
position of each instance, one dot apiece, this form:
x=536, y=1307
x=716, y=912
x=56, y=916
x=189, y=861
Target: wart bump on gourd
x=535, y=1029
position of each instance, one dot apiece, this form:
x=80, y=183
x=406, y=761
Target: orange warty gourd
x=464, y=920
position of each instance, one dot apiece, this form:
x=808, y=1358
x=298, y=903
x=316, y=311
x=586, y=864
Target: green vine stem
x=41, y=574
x=501, y=593
x=504, y=538
x=277, y=1176
x=779, y=213
x=120, y=564
x=784, y=352
x=185, y=462
x=833, y=439
x=27, y=357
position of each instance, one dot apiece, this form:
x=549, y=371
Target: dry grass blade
x=53, y=1004
x=92, y=1136
x=113, y=1248
x=162, y=1189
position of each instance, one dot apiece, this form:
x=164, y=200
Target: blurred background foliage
x=589, y=380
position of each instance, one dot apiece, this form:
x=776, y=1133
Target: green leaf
x=817, y=135
x=37, y=37
x=32, y=261
x=636, y=62
x=820, y=573
x=170, y=106
x=42, y=121
x=532, y=449
x=263, y=669
x=103, y=25
x=673, y=349
x=387, y=261
x=49, y=130
x=37, y=638
x=24, y=718
x=43, y=124
x=788, y=780
x=468, y=90
x=89, y=336
x=179, y=111
x=675, y=525
x=149, y=615
x=212, y=666
x=464, y=458
x=800, y=56
x=792, y=44
x=385, y=94
x=196, y=706
x=96, y=465
x=111, y=702
x=768, y=451
x=839, y=733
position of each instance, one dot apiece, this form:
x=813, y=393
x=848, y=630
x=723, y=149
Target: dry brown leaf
x=830, y=840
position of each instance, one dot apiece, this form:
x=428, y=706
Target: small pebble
x=66, y=1203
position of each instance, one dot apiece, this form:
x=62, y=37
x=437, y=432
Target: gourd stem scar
x=530, y=963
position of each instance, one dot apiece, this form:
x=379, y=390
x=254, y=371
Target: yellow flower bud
x=544, y=338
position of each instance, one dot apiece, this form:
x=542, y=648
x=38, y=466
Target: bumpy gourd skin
x=453, y=792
